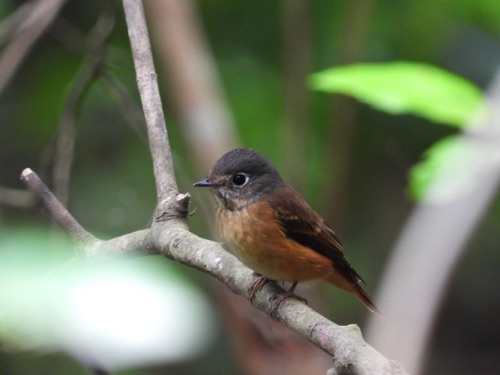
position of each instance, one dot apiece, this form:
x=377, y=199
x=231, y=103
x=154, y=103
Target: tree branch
x=205, y=118
x=163, y=163
x=89, y=71
x=131, y=110
x=17, y=197
x=297, y=65
x=342, y=124
x=56, y=209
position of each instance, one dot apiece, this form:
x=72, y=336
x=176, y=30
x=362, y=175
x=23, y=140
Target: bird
x=271, y=229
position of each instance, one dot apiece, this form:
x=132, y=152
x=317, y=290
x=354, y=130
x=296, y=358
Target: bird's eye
x=239, y=179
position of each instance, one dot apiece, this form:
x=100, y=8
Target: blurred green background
x=112, y=189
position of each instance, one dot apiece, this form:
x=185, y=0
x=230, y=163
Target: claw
x=278, y=300
x=257, y=286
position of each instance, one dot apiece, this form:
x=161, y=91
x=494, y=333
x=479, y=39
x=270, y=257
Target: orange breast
x=255, y=237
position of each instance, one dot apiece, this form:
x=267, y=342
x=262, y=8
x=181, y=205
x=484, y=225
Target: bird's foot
x=279, y=299
x=257, y=286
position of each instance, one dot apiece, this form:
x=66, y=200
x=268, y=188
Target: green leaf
x=405, y=87
x=451, y=168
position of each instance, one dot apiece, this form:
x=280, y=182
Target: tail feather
x=366, y=300
x=355, y=288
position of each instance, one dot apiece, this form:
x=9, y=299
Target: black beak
x=205, y=183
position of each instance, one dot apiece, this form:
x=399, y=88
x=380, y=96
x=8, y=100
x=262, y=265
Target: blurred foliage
x=405, y=87
x=439, y=176
x=112, y=187
x=115, y=312
x=422, y=90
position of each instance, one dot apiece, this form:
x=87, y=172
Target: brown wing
x=301, y=224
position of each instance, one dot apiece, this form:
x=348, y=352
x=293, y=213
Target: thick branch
x=150, y=96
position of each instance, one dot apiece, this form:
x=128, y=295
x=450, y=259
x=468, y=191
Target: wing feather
x=301, y=224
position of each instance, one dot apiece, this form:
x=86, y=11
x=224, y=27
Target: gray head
x=241, y=177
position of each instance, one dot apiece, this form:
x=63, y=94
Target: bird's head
x=241, y=177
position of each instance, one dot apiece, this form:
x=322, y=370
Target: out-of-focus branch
x=76, y=42
x=41, y=14
x=297, y=56
x=205, y=118
x=91, y=68
x=430, y=245
x=17, y=197
x=131, y=110
x=12, y=24
x=342, y=127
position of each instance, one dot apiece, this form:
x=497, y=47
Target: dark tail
x=363, y=297
x=354, y=288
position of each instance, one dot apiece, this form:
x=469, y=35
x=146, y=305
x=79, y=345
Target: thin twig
x=58, y=212
x=90, y=70
x=163, y=163
x=130, y=109
x=37, y=21
x=15, y=22
x=297, y=63
x=17, y=197
x=341, y=130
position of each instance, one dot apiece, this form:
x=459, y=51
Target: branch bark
x=169, y=234
x=56, y=209
x=147, y=82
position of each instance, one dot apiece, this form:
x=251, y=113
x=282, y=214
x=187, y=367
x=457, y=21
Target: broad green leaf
x=405, y=87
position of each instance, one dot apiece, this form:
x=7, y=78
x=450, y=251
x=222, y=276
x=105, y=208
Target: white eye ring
x=240, y=179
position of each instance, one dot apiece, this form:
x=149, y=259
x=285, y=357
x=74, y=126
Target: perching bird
x=269, y=227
